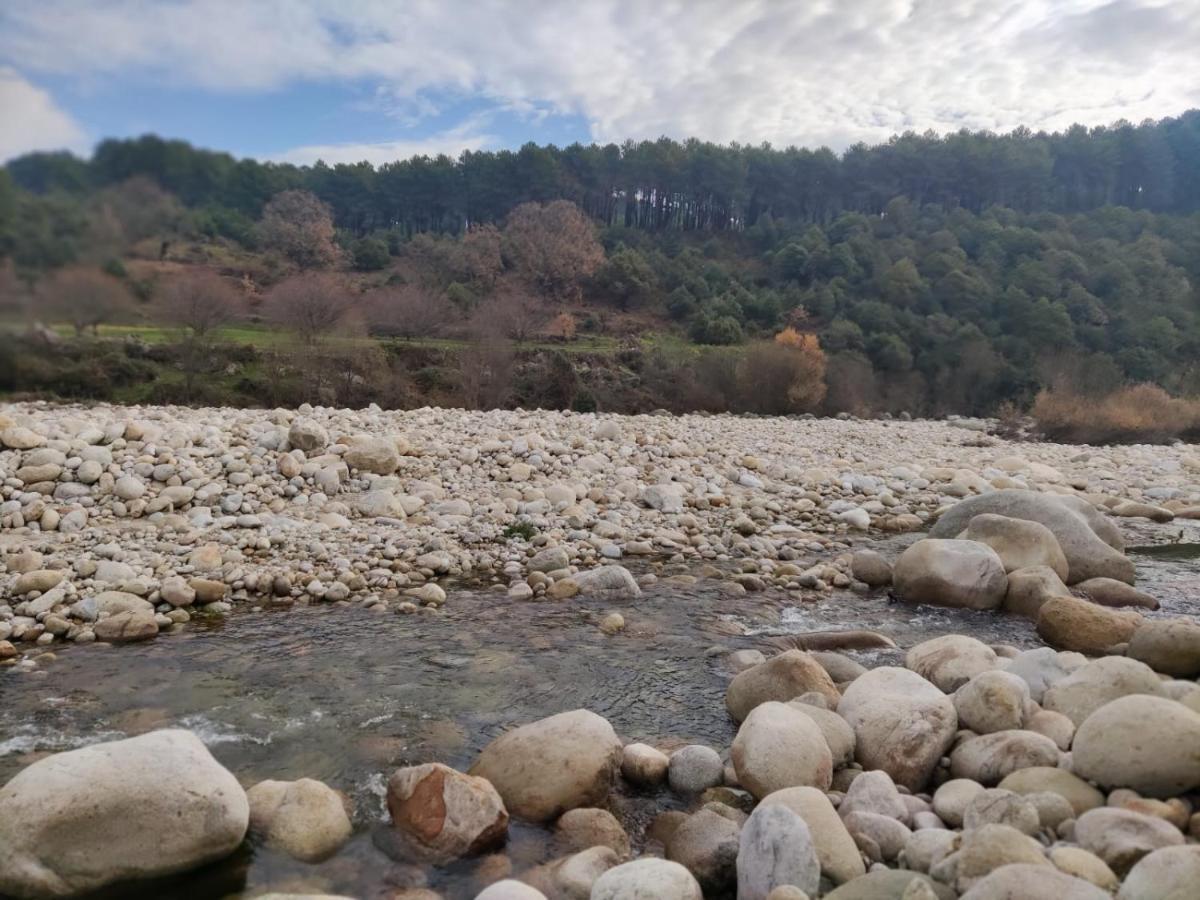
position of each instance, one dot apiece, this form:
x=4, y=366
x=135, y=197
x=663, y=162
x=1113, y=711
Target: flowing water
x=347, y=696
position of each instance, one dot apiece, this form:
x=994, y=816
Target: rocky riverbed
x=754, y=656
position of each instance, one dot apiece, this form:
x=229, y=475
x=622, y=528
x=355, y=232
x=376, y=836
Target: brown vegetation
x=299, y=226
x=553, y=246
x=1140, y=413
x=83, y=297
x=314, y=307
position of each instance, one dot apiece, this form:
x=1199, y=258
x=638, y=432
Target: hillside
x=954, y=274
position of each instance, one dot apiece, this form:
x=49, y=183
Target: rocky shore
x=1069, y=771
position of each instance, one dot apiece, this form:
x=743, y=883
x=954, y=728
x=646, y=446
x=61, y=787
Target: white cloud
x=821, y=71
x=31, y=119
x=452, y=142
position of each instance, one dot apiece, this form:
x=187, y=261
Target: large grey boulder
x=838, y=855
x=305, y=819
x=1172, y=872
x=1170, y=646
x=647, y=878
x=1020, y=543
x=902, y=723
x=1148, y=744
x=1080, y=693
x=958, y=574
x=776, y=848
x=1092, y=545
x=779, y=747
x=782, y=677
x=950, y=661
x=142, y=807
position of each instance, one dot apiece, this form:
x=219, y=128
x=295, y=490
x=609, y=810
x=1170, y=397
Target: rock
x=1053, y=725
x=40, y=580
x=137, y=808
x=902, y=723
x=837, y=732
x=574, y=876
x=992, y=701
x=549, y=766
x=307, y=435
x=305, y=819
x=550, y=559
x=874, y=792
x=646, y=879
x=1087, y=866
x=871, y=568
x=960, y=574
x=839, y=857
x=1111, y=592
x=779, y=747
x=1170, y=873
x=582, y=828
x=128, y=487
x=1101, y=681
x=1170, y=646
x=510, y=889
x=1038, y=779
x=951, y=661
x=605, y=582
x=775, y=849
x=988, y=758
x=888, y=884
x=996, y=806
x=1091, y=544
x=1029, y=588
x=444, y=812
x=643, y=765
x=840, y=668
x=16, y=437
x=380, y=504
x=1148, y=744
x=1020, y=543
x=780, y=678
x=377, y=455
x=950, y=801
x=694, y=768
x=1019, y=881
x=177, y=592
x=879, y=837
x=1132, y=509
x=126, y=627
x=1043, y=667
x=929, y=846
x=989, y=847
x=706, y=844
x=1070, y=624
x=1121, y=837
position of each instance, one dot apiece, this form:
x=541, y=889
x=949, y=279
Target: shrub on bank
x=1140, y=413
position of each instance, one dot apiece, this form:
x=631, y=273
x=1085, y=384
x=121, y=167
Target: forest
x=932, y=274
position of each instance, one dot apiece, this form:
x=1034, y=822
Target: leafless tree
x=486, y=366
x=199, y=302
x=407, y=311
x=314, y=307
x=84, y=297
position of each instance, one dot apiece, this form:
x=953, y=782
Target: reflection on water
x=347, y=696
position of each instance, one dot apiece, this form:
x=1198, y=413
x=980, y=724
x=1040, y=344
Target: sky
x=377, y=80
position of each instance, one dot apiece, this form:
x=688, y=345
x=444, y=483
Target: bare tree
x=314, y=306
x=298, y=225
x=554, y=246
x=85, y=298
x=407, y=311
x=486, y=367
x=197, y=303
x=512, y=313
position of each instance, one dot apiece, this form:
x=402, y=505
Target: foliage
x=300, y=227
x=553, y=246
x=371, y=254
x=1141, y=413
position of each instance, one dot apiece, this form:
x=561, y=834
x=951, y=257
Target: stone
x=992, y=701
x=988, y=758
x=1170, y=873
x=547, y=767
x=841, y=668
x=1053, y=725
x=989, y=847
x=1069, y=624
x=951, y=661
x=1023, y=881
x=1091, y=544
x=1020, y=543
x=305, y=819
x=837, y=731
x=888, y=884
x=950, y=800
x=694, y=768
x=126, y=627
x=643, y=765
x=1080, y=863
x=40, y=580
x=871, y=568
x=880, y=838
x=137, y=808
x=177, y=592
x=775, y=849
x=902, y=724
x=646, y=879
x=444, y=812
x=1043, y=667
x=1170, y=646
x=380, y=504
x=16, y=437
x=377, y=455
x=780, y=678
x=874, y=792
x=1100, y=681
x=1121, y=837
x=128, y=487
x=1148, y=744
x=1039, y=779
x=604, y=582
x=779, y=747
x=706, y=844
x=839, y=857
x=307, y=435
x=1029, y=588
x=579, y=829
x=927, y=847
x=1111, y=592
x=510, y=889
x=959, y=574
x=996, y=806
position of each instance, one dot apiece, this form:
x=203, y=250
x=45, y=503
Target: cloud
x=465, y=136
x=819, y=72
x=31, y=119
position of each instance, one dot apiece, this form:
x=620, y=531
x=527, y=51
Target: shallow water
x=347, y=696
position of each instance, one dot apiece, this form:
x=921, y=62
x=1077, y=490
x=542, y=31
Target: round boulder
x=992, y=701
x=1019, y=543
x=443, y=812
x=1170, y=646
x=1070, y=624
x=1086, y=689
x=839, y=857
x=779, y=747
x=1164, y=874
x=988, y=758
x=959, y=574
x=782, y=678
x=1024, y=881
x=950, y=661
x=304, y=819
x=1148, y=744
x=775, y=849
x=1121, y=837
x=645, y=878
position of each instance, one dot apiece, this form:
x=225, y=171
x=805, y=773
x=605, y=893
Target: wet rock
x=988, y=758
x=775, y=849
x=706, y=844
x=574, y=877
x=1101, y=681
x=1019, y=881
x=126, y=627
x=951, y=661
x=779, y=747
x=1110, y=592
x=643, y=765
x=780, y=678
x=1070, y=624
x=1020, y=543
x=137, y=808
x=646, y=878
x=605, y=582
x=305, y=819
x=445, y=812
x=1148, y=744
x=960, y=574
x=1029, y=588
x=547, y=767
x=871, y=568
x=1170, y=646
x=1091, y=544
x=587, y=827
x=839, y=857
x=1121, y=837
x=902, y=723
